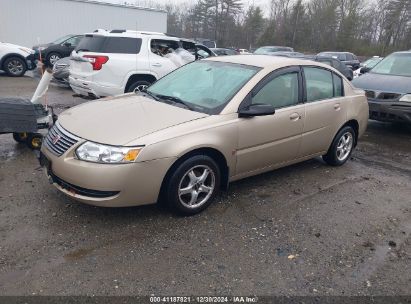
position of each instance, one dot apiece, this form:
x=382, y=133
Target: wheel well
x=216, y=155
x=136, y=77
x=3, y=60
x=353, y=124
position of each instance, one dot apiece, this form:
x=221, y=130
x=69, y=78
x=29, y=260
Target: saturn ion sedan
x=201, y=127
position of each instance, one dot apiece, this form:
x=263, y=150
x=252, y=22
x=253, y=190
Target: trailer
x=28, y=22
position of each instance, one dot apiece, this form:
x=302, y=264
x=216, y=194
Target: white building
x=30, y=22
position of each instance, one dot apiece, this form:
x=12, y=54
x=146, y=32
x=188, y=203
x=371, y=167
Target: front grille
x=82, y=191
x=58, y=140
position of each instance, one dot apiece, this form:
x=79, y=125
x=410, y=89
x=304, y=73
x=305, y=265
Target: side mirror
x=364, y=70
x=67, y=44
x=258, y=109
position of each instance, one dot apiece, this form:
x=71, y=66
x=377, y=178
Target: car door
x=325, y=109
x=267, y=141
x=160, y=65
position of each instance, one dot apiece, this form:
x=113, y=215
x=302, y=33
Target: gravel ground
x=308, y=229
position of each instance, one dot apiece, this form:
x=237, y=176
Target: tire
x=15, y=66
x=189, y=176
x=52, y=58
x=34, y=141
x=138, y=86
x=341, y=147
x=20, y=137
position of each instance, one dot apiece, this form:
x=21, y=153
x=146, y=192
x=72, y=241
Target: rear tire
x=137, y=86
x=341, y=147
x=15, y=66
x=193, y=185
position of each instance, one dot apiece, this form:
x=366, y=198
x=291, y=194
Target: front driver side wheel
x=341, y=148
x=193, y=185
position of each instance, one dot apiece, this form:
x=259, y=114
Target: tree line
x=365, y=27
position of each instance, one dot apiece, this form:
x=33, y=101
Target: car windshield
x=396, y=64
x=62, y=39
x=370, y=63
x=203, y=86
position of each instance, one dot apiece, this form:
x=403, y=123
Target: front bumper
x=93, y=89
x=31, y=62
x=105, y=185
x=390, y=111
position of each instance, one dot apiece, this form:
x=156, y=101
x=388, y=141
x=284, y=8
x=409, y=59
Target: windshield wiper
x=152, y=95
x=175, y=100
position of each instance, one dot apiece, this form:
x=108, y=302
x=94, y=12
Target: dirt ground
x=308, y=229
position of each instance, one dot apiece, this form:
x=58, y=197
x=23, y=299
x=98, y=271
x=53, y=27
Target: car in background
x=51, y=52
x=243, y=51
x=388, y=88
x=345, y=57
x=206, y=42
x=331, y=61
x=267, y=50
x=225, y=52
x=368, y=64
x=108, y=63
x=61, y=71
x=201, y=127
x=15, y=60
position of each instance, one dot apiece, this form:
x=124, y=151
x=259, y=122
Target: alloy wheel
x=15, y=67
x=344, y=146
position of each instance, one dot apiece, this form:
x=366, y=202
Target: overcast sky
x=262, y=3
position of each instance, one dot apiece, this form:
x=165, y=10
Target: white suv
x=112, y=63
x=15, y=60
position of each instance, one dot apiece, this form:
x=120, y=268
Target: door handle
x=295, y=117
x=156, y=64
x=337, y=107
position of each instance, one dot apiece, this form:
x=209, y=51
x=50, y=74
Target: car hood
x=384, y=83
x=120, y=120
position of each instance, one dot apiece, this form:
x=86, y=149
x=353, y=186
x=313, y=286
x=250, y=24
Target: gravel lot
x=308, y=229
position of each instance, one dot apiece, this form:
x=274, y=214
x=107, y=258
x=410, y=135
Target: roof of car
x=262, y=61
x=131, y=34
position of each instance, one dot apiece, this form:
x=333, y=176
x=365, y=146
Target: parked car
x=15, y=60
x=369, y=64
x=202, y=126
x=243, y=51
x=61, y=71
x=331, y=61
x=225, y=52
x=267, y=50
x=51, y=52
x=345, y=57
x=388, y=88
x=112, y=63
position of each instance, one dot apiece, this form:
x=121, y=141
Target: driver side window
x=280, y=92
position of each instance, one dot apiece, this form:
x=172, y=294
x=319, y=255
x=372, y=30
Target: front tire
x=20, y=137
x=138, y=86
x=193, y=185
x=52, y=58
x=15, y=66
x=341, y=148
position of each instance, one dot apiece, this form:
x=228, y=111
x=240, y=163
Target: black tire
x=20, y=137
x=34, y=141
x=15, y=66
x=180, y=179
x=340, y=152
x=138, y=85
x=53, y=56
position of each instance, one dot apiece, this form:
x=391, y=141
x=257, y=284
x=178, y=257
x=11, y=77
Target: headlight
x=406, y=98
x=98, y=153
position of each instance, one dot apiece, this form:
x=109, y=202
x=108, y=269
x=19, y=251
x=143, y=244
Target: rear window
x=116, y=45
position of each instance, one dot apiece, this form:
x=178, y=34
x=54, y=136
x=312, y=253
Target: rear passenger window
x=122, y=45
x=319, y=83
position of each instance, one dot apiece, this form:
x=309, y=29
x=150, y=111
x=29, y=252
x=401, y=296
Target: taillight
x=96, y=61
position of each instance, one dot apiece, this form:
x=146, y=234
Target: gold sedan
x=201, y=127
